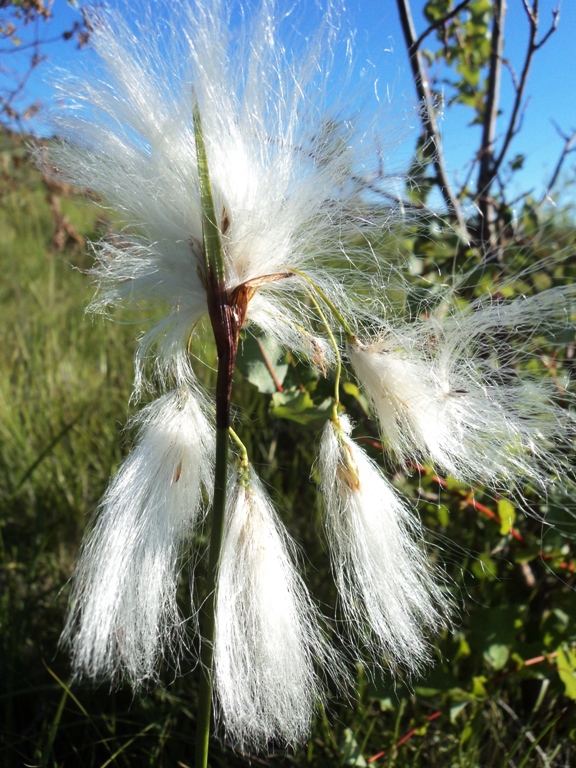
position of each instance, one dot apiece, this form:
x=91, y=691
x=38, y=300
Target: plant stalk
x=208, y=618
x=226, y=333
x=226, y=322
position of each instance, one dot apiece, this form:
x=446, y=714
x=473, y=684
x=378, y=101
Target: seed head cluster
x=285, y=171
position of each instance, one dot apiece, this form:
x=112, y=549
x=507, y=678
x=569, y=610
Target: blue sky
x=551, y=87
x=382, y=66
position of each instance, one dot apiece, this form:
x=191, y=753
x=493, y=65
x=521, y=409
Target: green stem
x=214, y=258
x=350, y=335
x=338, y=359
x=208, y=618
x=244, y=469
x=225, y=326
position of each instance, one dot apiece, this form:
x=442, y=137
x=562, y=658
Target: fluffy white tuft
x=285, y=171
x=123, y=613
x=267, y=635
x=381, y=570
x=457, y=390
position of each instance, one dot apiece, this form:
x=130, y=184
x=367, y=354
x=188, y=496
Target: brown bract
x=227, y=312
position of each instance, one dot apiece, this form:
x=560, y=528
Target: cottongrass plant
x=240, y=191
x=387, y=585
x=442, y=394
x=124, y=616
x=267, y=628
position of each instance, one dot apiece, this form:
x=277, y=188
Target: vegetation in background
x=459, y=57
x=503, y=690
x=25, y=38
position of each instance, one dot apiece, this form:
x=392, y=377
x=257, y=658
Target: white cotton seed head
x=456, y=391
x=285, y=168
x=267, y=640
x=123, y=616
x=387, y=585
x=401, y=395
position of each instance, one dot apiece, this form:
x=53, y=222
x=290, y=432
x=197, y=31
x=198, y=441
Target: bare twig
x=370, y=186
x=552, y=29
x=568, y=148
x=13, y=50
x=488, y=169
x=533, y=13
x=428, y=110
x=269, y=366
x=28, y=55
x=467, y=178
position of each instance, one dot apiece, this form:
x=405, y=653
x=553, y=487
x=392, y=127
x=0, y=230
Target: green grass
x=65, y=383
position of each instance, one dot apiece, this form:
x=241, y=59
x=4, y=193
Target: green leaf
x=507, y=515
x=351, y=389
x=213, y=255
x=298, y=406
x=479, y=687
x=434, y=10
x=517, y=162
x=480, y=7
x=497, y=655
x=453, y=485
x=425, y=692
x=527, y=553
x=443, y=514
x=484, y=567
x=263, y=362
x=455, y=710
x=567, y=670
x=470, y=75
x=542, y=281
